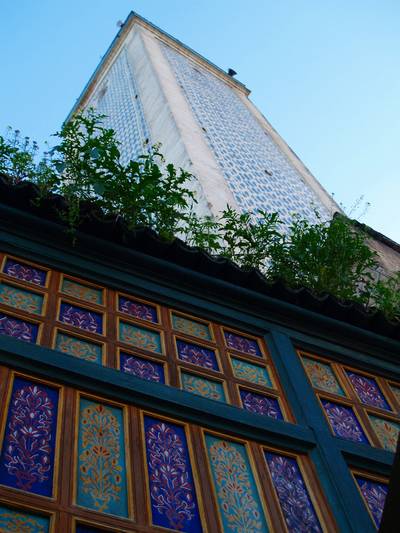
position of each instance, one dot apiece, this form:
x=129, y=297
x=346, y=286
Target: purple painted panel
x=197, y=355
x=261, y=404
x=25, y=272
x=242, y=344
x=344, y=422
x=293, y=495
x=81, y=318
x=142, y=368
x=27, y=457
x=137, y=309
x=17, y=328
x=368, y=390
x=374, y=495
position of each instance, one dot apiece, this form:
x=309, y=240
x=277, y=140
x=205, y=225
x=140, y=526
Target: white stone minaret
x=153, y=88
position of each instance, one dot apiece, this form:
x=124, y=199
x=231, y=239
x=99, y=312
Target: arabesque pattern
x=81, y=318
x=387, y=432
x=82, y=292
x=21, y=299
x=143, y=338
x=16, y=521
x=142, y=368
x=242, y=344
x=191, y=327
x=201, y=386
x=172, y=491
x=101, y=459
x=374, y=495
x=249, y=372
x=17, y=328
x=344, y=422
x=294, y=499
x=137, y=309
x=260, y=404
x=235, y=487
x=83, y=349
x=368, y=390
x=25, y=272
x=322, y=376
x=197, y=355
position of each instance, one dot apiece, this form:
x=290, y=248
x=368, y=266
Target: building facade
x=146, y=387
x=154, y=89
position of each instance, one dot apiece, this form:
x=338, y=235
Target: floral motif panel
x=146, y=339
x=13, y=520
x=322, y=376
x=208, y=388
x=294, y=499
x=101, y=472
x=242, y=344
x=191, y=327
x=235, y=487
x=374, y=496
x=197, y=355
x=396, y=392
x=172, y=491
x=82, y=292
x=261, y=404
x=21, y=299
x=142, y=368
x=17, y=328
x=137, y=309
x=387, y=432
x=249, y=372
x=81, y=318
x=367, y=390
x=344, y=422
x=83, y=349
x=25, y=272
x=28, y=450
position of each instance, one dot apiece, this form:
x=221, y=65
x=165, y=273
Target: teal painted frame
x=284, y=326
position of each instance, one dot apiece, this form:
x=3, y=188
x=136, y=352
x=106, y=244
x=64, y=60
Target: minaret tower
x=154, y=88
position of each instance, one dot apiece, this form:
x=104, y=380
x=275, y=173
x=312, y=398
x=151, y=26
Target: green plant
x=385, y=295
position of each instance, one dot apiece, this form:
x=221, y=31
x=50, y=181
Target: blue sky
x=325, y=73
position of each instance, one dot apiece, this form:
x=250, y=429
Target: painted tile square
x=374, y=496
x=78, y=347
x=343, y=422
x=387, y=432
x=207, y=388
x=141, y=368
x=18, y=328
x=137, y=309
x=21, y=299
x=368, y=391
x=191, y=327
x=81, y=318
x=82, y=292
x=25, y=272
x=250, y=372
x=243, y=344
x=260, y=404
x=197, y=355
x=21, y=521
x=146, y=339
x=322, y=376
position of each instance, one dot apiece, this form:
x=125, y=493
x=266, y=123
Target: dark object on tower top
x=232, y=72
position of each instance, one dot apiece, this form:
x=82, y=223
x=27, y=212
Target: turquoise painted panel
x=101, y=472
x=191, y=327
x=208, y=388
x=322, y=376
x=387, y=432
x=83, y=349
x=250, y=372
x=82, y=292
x=13, y=520
x=235, y=487
x=146, y=339
x=21, y=299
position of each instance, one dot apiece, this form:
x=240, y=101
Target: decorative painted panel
x=17, y=328
x=101, y=471
x=242, y=344
x=197, y=355
x=260, y=404
x=13, y=520
x=142, y=368
x=25, y=272
x=146, y=339
x=294, y=499
x=374, y=496
x=172, y=491
x=81, y=318
x=322, y=376
x=235, y=487
x=28, y=450
x=387, y=432
x=78, y=347
x=251, y=372
x=208, y=388
x=396, y=392
x=82, y=292
x=21, y=299
x=137, y=309
x=191, y=327
x=367, y=390
x=343, y=422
